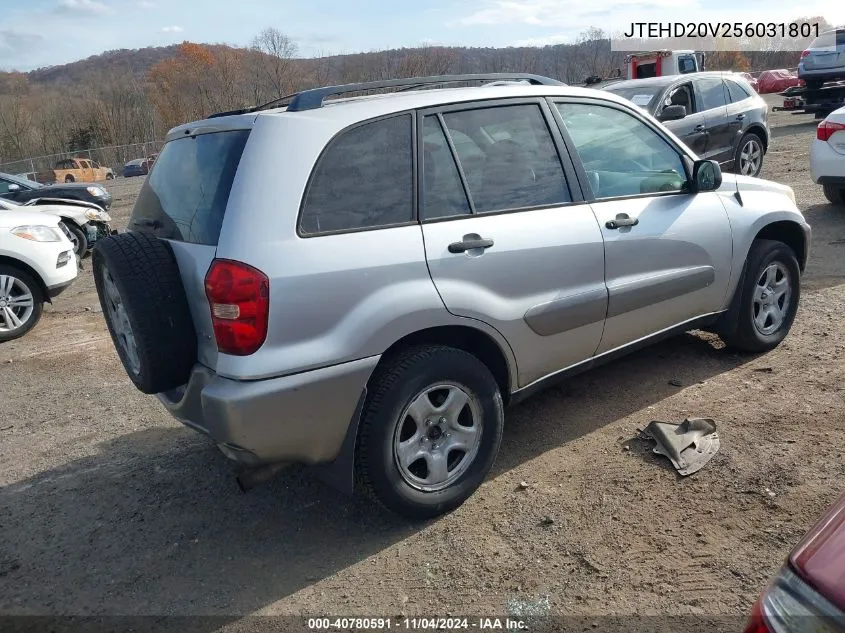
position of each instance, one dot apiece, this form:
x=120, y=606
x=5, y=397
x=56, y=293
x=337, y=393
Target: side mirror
x=13, y=187
x=706, y=175
x=673, y=113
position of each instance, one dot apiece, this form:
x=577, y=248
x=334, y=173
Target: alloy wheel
x=16, y=303
x=771, y=297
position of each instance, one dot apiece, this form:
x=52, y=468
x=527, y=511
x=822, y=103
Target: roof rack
x=313, y=99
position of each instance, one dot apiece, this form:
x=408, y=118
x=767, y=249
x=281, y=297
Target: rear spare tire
x=146, y=310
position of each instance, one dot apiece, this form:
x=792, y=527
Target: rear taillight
x=756, y=623
x=827, y=129
x=804, y=54
x=239, y=297
x=789, y=605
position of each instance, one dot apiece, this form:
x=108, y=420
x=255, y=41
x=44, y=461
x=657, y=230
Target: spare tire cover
x=146, y=310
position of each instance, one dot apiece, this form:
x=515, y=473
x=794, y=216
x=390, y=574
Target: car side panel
x=333, y=298
x=759, y=209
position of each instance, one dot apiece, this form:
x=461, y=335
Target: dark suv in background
x=717, y=115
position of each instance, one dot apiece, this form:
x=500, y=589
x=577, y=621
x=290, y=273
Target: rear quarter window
x=736, y=91
x=364, y=179
x=184, y=198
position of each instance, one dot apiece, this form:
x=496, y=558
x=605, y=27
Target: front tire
x=430, y=430
x=79, y=239
x=769, y=297
x=748, y=159
x=21, y=303
x=70, y=178
x=834, y=195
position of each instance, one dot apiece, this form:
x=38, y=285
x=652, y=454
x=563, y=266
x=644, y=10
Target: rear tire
x=834, y=195
x=768, y=299
x=17, y=314
x=748, y=158
x=70, y=178
x=424, y=460
x=146, y=310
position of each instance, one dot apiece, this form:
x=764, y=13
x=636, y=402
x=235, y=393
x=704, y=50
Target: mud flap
x=340, y=473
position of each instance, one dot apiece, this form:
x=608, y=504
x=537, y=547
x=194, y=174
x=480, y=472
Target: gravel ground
x=110, y=507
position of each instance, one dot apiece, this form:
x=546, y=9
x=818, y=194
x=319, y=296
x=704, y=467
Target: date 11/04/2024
x=416, y=624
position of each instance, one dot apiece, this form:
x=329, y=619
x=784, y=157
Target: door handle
x=622, y=219
x=699, y=127
x=469, y=243
x=740, y=117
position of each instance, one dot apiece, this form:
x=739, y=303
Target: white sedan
x=827, y=156
x=37, y=262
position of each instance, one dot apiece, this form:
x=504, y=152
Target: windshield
x=25, y=182
x=642, y=96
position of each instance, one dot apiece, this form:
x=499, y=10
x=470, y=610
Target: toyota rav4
x=366, y=282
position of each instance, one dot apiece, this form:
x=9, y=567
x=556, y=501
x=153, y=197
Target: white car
x=37, y=262
x=85, y=221
x=827, y=156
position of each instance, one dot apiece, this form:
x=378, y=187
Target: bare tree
x=277, y=62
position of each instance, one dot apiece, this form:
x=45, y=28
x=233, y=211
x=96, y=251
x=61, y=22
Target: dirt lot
x=108, y=506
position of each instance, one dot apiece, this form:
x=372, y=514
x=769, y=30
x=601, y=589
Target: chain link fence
x=115, y=156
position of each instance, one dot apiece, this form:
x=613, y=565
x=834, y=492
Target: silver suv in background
x=824, y=59
x=366, y=283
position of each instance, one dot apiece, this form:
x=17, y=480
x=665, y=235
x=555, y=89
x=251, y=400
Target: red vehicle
x=809, y=592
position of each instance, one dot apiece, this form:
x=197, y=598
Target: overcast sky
x=35, y=33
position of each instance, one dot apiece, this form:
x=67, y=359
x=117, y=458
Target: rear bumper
x=821, y=74
x=300, y=418
x=827, y=166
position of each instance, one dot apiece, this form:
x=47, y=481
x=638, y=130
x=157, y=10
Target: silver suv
x=824, y=59
x=364, y=283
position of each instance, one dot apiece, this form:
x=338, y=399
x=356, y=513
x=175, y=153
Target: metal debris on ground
x=688, y=445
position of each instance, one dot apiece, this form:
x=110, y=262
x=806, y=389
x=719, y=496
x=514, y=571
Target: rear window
x=829, y=40
x=185, y=195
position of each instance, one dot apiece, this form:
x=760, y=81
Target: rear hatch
x=184, y=201
x=827, y=52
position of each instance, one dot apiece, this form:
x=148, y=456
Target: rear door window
x=443, y=191
x=185, y=196
x=363, y=180
x=520, y=166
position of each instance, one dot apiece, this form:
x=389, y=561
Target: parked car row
x=45, y=231
x=37, y=262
